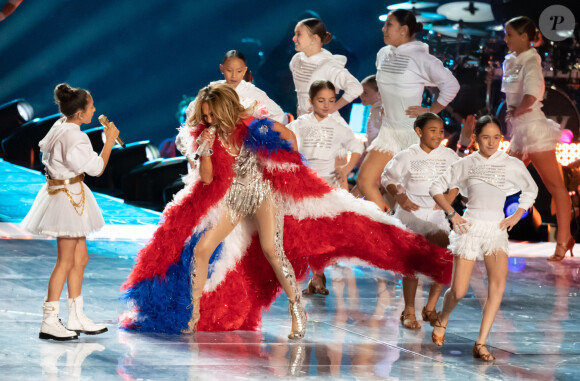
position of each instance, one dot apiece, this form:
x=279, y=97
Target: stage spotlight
x=21, y=147
x=515, y=264
x=145, y=185
x=528, y=228
x=14, y=114
x=121, y=163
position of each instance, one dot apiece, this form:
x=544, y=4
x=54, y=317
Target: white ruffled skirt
x=424, y=221
x=393, y=140
x=54, y=215
x=482, y=238
x=533, y=133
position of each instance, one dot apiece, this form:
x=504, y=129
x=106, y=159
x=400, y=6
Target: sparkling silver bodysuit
x=249, y=188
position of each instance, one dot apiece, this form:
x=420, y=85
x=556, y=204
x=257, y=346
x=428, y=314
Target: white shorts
x=424, y=221
x=530, y=135
x=483, y=238
x=393, y=140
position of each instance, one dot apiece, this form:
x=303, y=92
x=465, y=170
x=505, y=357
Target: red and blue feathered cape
x=321, y=226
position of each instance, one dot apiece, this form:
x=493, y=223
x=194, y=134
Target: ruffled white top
x=487, y=183
x=319, y=141
x=322, y=66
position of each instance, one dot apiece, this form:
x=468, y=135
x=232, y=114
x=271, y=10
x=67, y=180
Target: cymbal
x=409, y=5
x=454, y=30
x=495, y=28
x=467, y=11
x=421, y=17
x=429, y=16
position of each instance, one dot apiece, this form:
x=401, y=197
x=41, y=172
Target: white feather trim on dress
x=482, y=238
x=393, y=140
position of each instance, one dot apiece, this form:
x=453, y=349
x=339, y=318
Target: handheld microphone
x=105, y=122
x=201, y=147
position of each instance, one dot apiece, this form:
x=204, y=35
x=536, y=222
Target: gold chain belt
x=76, y=205
x=73, y=180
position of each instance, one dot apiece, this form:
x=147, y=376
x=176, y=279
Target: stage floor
x=354, y=333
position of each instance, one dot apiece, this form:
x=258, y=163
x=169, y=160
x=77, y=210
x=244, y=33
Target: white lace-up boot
x=78, y=322
x=52, y=327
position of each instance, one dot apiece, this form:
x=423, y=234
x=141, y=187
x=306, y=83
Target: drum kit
x=468, y=39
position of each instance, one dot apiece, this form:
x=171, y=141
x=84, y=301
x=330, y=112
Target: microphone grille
x=103, y=120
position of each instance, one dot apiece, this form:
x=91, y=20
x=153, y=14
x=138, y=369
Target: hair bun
x=419, y=27
x=63, y=92
x=327, y=38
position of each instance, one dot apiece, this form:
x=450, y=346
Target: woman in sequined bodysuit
x=249, y=196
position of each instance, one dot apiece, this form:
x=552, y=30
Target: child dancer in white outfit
x=312, y=63
x=66, y=209
x=534, y=137
x=404, y=68
x=408, y=177
x=319, y=136
x=486, y=177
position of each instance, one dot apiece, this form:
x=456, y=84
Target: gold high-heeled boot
x=295, y=308
x=298, y=314
x=195, y=298
x=192, y=325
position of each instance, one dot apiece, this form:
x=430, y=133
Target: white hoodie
x=415, y=170
x=322, y=66
x=487, y=183
x=67, y=152
x=402, y=74
x=319, y=142
x=522, y=74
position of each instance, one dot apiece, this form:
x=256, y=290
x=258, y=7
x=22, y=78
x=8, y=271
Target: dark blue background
x=140, y=57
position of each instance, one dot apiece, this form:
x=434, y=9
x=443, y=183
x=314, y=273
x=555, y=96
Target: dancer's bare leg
x=408, y=318
x=74, y=280
x=207, y=244
x=440, y=239
x=369, y=175
x=551, y=173
x=202, y=252
x=462, y=269
x=64, y=263
x=497, y=269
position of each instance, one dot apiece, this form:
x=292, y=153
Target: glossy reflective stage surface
x=354, y=333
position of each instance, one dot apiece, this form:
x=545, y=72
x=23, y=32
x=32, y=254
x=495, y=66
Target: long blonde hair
x=225, y=106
